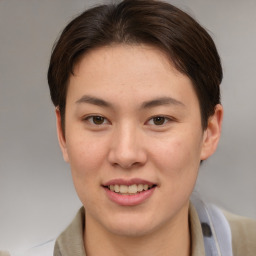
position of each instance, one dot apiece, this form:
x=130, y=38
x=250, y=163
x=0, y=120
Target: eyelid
x=167, y=119
x=91, y=116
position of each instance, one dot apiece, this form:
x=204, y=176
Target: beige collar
x=70, y=242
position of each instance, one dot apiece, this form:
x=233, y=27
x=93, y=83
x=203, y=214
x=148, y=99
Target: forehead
x=125, y=58
x=137, y=70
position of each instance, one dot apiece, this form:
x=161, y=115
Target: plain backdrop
x=37, y=198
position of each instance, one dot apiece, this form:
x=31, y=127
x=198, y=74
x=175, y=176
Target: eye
x=158, y=120
x=96, y=120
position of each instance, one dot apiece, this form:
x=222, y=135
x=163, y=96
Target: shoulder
x=70, y=241
x=243, y=234
x=4, y=253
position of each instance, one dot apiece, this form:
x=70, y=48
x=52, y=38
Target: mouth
x=130, y=190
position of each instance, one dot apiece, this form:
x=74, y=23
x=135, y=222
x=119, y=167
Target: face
x=133, y=139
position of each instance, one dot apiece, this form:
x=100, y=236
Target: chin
x=131, y=226
x=131, y=231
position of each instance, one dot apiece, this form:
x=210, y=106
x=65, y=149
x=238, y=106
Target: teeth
x=123, y=189
x=145, y=187
x=140, y=187
x=132, y=189
x=116, y=188
x=127, y=190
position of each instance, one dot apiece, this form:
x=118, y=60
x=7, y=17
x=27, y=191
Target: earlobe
x=212, y=133
x=61, y=135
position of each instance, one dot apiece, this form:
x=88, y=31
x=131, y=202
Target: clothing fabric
x=243, y=232
x=4, y=253
x=216, y=229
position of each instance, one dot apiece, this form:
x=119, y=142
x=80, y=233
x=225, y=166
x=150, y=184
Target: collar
x=70, y=242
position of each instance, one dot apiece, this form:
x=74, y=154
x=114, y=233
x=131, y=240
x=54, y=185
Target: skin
x=127, y=142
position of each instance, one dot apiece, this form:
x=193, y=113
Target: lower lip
x=129, y=200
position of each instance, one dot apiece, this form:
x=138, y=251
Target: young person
x=136, y=91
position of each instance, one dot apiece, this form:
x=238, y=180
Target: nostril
x=126, y=154
x=126, y=165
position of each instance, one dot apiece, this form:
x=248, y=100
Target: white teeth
x=140, y=187
x=132, y=189
x=123, y=189
x=145, y=187
x=116, y=188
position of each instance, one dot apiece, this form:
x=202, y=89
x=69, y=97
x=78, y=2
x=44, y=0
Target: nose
x=127, y=149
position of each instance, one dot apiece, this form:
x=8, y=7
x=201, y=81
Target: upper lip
x=127, y=182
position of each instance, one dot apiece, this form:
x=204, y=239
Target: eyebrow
x=147, y=104
x=94, y=101
x=161, y=101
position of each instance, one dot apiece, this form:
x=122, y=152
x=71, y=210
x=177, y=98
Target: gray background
x=37, y=198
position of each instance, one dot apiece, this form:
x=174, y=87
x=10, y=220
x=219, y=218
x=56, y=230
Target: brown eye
x=98, y=120
x=159, y=120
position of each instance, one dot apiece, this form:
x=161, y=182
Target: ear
x=212, y=133
x=61, y=135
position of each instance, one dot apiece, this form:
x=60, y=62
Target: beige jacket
x=4, y=253
x=70, y=242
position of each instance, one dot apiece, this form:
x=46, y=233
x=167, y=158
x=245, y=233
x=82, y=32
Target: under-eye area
x=129, y=190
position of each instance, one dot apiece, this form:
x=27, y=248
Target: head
x=136, y=86
x=186, y=44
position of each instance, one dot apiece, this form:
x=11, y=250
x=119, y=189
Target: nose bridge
x=126, y=147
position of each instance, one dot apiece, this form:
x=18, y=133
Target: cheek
x=178, y=156
x=86, y=160
x=86, y=155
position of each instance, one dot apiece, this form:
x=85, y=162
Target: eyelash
x=91, y=119
x=165, y=120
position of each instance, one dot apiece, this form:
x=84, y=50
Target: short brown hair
x=188, y=46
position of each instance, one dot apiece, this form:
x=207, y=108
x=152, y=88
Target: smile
x=129, y=190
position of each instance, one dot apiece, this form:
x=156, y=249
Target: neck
x=172, y=239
